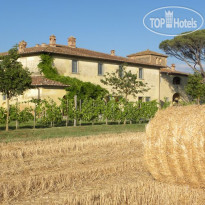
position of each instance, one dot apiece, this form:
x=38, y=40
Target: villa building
x=165, y=82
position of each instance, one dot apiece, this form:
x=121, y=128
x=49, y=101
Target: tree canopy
x=195, y=87
x=124, y=83
x=189, y=48
x=14, y=79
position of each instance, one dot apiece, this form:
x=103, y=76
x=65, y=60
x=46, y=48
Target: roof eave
x=133, y=55
x=172, y=73
x=57, y=86
x=89, y=57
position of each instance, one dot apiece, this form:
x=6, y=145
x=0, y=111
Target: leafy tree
x=49, y=112
x=107, y=110
x=144, y=111
x=189, y=48
x=2, y=115
x=25, y=115
x=112, y=111
x=90, y=111
x=128, y=112
x=124, y=83
x=149, y=109
x=67, y=106
x=14, y=79
x=20, y=115
x=195, y=87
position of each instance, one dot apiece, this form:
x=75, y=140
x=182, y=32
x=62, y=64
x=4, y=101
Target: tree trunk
x=66, y=122
x=106, y=121
x=7, y=116
x=75, y=104
x=17, y=124
x=67, y=113
x=198, y=100
x=80, y=111
x=125, y=121
x=34, y=119
x=74, y=123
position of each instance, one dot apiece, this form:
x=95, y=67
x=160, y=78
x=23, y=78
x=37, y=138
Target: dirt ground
x=104, y=169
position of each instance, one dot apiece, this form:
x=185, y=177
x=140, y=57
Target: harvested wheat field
x=107, y=169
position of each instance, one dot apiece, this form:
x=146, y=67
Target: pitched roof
x=80, y=52
x=42, y=81
x=172, y=72
x=147, y=52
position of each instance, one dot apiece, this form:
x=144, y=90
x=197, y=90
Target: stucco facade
x=35, y=93
x=150, y=63
x=31, y=62
x=171, y=91
x=88, y=72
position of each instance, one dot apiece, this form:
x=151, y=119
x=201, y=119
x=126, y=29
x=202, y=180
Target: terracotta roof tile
x=147, y=52
x=42, y=81
x=81, y=52
x=172, y=72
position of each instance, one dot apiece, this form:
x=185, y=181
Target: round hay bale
x=175, y=145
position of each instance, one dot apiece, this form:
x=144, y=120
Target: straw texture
x=175, y=145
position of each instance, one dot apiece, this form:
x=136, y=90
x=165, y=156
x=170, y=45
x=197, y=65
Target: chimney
x=43, y=45
x=22, y=46
x=173, y=67
x=52, y=40
x=72, y=42
x=112, y=53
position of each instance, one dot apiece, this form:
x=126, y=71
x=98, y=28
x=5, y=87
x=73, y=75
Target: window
x=74, y=66
x=120, y=71
x=100, y=69
x=147, y=99
x=176, y=81
x=140, y=73
x=3, y=97
x=140, y=99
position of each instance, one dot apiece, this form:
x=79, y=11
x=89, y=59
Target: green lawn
x=44, y=133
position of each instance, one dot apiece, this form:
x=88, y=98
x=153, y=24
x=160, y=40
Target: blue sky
x=100, y=25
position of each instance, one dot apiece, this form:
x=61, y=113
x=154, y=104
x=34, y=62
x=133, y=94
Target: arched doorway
x=175, y=98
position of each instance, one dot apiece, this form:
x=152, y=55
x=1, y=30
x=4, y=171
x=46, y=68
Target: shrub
x=2, y=115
